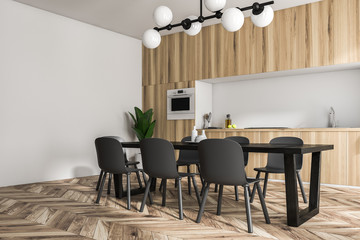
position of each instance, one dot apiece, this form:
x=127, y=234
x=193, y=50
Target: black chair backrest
x=222, y=162
x=158, y=158
x=241, y=140
x=110, y=155
x=276, y=160
x=188, y=155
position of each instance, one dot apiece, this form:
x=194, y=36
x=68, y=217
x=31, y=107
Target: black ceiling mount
x=257, y=8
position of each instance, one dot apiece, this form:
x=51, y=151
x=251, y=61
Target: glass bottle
x=227, y=120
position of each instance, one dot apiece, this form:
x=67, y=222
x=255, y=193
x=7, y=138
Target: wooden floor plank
x=65, y=210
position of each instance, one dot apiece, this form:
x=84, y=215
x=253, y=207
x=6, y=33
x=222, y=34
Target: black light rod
x=216, y=15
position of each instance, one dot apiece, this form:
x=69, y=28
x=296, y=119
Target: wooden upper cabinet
x=317, y=34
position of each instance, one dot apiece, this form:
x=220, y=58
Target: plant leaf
x=132, y=116
x=139, y=114
x=143, y=127
x=148, y=114
x=150, y=131
x=139, y=134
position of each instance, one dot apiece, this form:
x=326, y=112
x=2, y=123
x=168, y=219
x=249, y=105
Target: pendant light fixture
x=232, y=19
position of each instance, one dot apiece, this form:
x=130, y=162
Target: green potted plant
x=144, y=126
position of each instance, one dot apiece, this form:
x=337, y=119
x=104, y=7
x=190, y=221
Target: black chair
x=222, y=162
x=275, y=164
x=188, y=158
x=240, y=140
x=159, y=162
x=127, y=162
x=111, y=160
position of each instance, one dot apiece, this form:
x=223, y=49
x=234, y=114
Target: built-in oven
x=181, y=104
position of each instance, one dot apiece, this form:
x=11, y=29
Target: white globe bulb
x=232, y=19
x=162, y=16
x=195, y=27
x=151, y=38
x=215, y=5
x=264, y=18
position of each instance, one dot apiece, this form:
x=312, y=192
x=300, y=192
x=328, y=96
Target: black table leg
x=153, y=185
x=118, y=185
x=314, y=198
x=119, y=191
x=295, y=217
x=292, y=203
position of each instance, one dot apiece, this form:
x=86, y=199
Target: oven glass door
x=180, y=104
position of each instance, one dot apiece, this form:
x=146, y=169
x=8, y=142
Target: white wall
x=62, y=84
x=292, y=101
x=203, y=102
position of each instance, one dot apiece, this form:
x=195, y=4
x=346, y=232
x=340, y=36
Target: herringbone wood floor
x=65, y=210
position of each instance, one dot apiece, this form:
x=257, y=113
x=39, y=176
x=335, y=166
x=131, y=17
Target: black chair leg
x=201, y=179
x=146, y=194
x=202, y=206
x=144, y=177
x=181, y=214
x=236, y=193
x=109, y=183
x=161, y=185
x=248, y=210
x=138, y=177
x=265, y=184
x=99, y=180
x=221, y=188
x=128, y=191
x=164, y=192
x=177, y=169
x=254, y=188
x=216, y=188
x=202, y=189
x=145, y=181
x=101, y=188
x=196, y=189
x=301, y=186
x=189, y=180
x=262, y=201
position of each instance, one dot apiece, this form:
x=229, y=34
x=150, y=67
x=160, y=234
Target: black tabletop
x=253, y=147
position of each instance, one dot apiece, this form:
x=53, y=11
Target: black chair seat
x=269, y=170
x=129, y=163
x=252, y=180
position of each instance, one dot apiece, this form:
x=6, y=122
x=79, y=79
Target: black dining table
x=295, y=216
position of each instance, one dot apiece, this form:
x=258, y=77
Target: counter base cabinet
x=353, y=166
x=340, y=166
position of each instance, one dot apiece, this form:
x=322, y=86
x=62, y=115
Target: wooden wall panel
x=155, y=97
x=313, y=35
x=353, y=167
